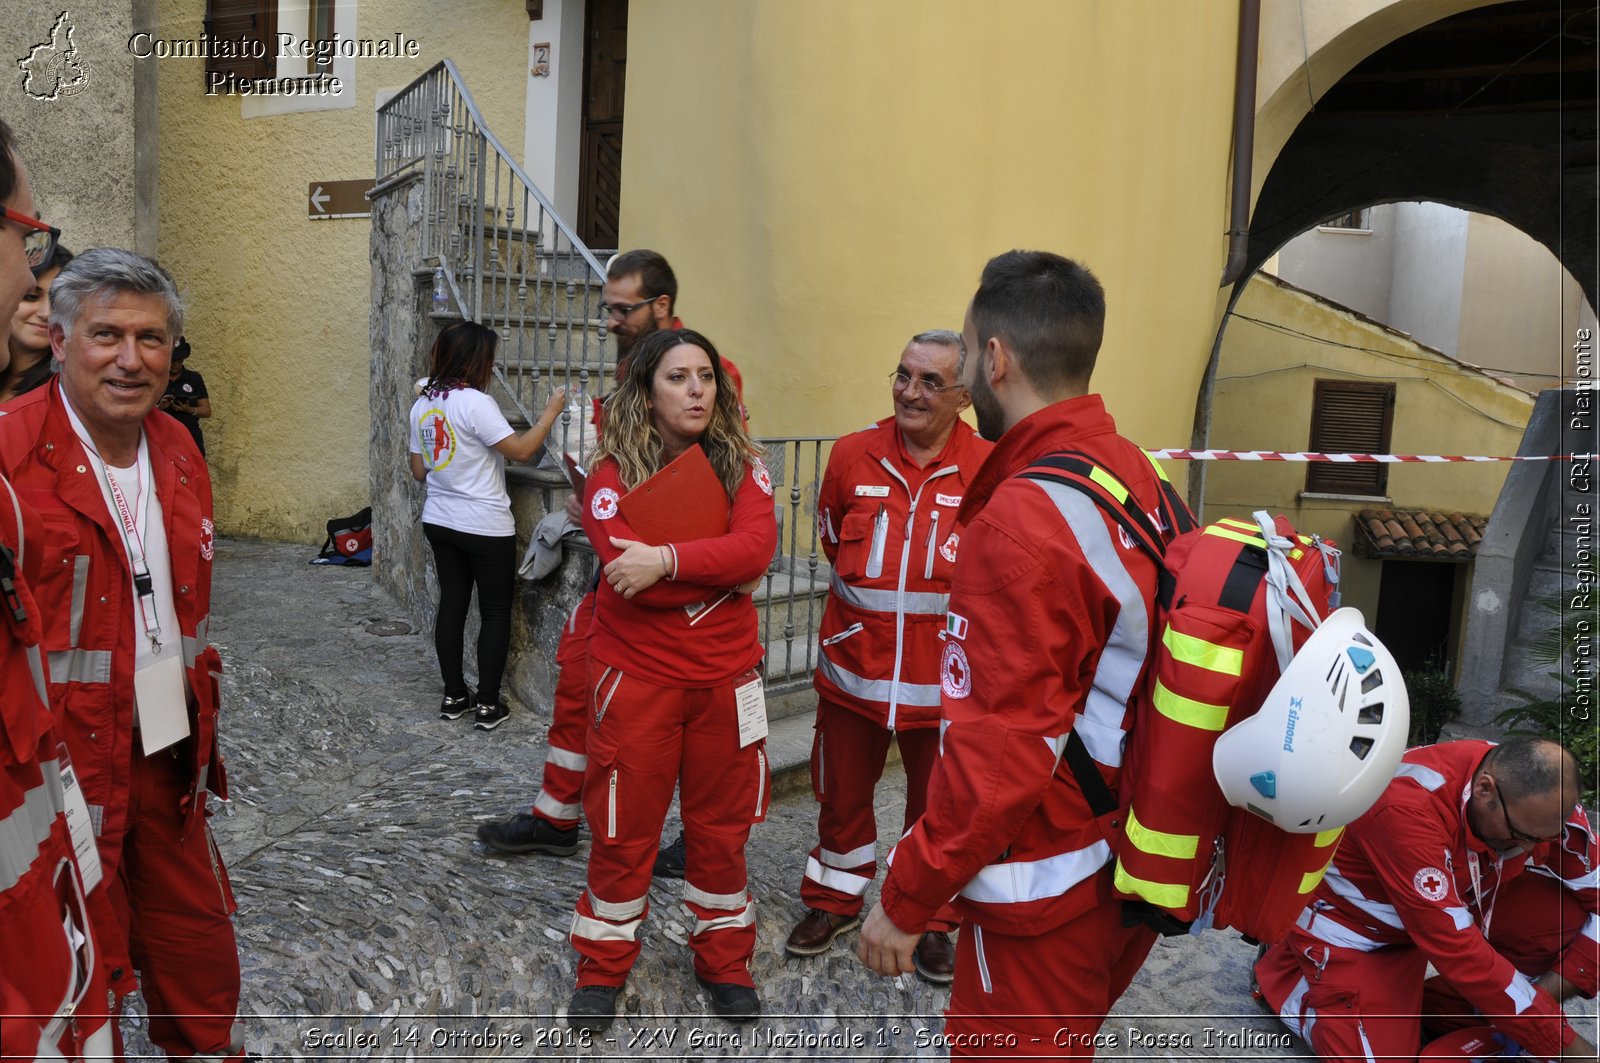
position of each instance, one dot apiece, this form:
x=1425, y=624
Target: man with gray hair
x=886, y=515
x=125, y=591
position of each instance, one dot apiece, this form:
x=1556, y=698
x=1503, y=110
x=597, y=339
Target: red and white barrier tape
x=1384, y=459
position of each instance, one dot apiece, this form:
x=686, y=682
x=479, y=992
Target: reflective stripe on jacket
x=1054, y=612
x=893, y=551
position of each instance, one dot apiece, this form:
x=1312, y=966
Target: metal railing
x=508, y=260
x=791, y=599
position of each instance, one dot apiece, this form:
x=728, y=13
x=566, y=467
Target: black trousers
x=488, y=562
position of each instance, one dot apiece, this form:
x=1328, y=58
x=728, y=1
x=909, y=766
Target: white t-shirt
x=466, y=478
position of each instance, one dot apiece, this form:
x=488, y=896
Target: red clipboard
x=682, y=502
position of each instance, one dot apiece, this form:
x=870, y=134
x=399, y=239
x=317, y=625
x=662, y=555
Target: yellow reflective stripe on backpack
x=1172, y=896
x=1186, y=649
x=1236, y=536
x=1160, y=843
x=1161, y=472
x=1324, y=839
x=1110, y=483
x=1189, y=712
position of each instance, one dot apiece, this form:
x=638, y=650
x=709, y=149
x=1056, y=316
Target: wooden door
x=605, y=61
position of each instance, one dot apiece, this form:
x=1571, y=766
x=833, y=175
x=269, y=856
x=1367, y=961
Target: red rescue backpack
x=1232, y=607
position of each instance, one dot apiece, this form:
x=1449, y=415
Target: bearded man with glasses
x=1477, y=859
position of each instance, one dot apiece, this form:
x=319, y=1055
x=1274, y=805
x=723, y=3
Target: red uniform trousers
x=1373, y=1005
x=1045, y=995
x=560, y=798
x=646, y=739
x=172, y=896
x=848, y=752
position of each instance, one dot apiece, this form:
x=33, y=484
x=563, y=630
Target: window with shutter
x=1350, y=417
x=250, y=29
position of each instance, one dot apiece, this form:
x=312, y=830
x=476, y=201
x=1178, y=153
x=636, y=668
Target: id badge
x=79, y=823
x=752, y=704
x=159, y=700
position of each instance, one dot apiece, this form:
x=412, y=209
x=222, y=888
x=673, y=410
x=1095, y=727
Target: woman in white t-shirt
x=460, y=442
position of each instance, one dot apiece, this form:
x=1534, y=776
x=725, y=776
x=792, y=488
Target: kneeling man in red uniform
x=1478, y=860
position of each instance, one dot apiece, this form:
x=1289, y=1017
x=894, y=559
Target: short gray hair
x=103, y=271
x=943, y=337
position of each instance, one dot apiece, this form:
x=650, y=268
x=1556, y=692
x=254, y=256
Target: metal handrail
x=537, y=285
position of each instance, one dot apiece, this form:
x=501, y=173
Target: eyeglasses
x=39, y=242
x=1505, y=813
x=624, y=309
x=904, y=381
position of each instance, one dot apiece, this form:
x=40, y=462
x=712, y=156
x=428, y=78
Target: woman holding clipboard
x=679, y=508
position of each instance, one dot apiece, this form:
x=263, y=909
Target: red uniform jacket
x=1404, y=874
x=1050, y=623
x=889, y=530
x=52, y=988
x=86, y=590
x=692, y=630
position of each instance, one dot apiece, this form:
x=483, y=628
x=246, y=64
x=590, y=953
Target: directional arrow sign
x=338, y=199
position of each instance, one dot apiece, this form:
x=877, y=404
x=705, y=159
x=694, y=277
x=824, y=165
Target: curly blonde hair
x=629, y=436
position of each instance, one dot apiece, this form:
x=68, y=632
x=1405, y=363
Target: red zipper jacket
x=86, y=592
x=1051, y=620
x=889, y=530
x=52, y=987
x=692, y=630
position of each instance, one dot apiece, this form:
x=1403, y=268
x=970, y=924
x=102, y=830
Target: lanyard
x=129, y=520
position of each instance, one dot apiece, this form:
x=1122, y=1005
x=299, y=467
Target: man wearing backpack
x=1049, y=627
x=1477, y=858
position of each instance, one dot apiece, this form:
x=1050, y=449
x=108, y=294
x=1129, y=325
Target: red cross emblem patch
x=763, y=479
x=1431, y=883
x=208, y=538
x=604, y=504
x=955, y=677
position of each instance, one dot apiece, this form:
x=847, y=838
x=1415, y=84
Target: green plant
x=1568, y=718
x=1434, y=702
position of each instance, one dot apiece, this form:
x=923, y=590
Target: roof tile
x=1418, y=534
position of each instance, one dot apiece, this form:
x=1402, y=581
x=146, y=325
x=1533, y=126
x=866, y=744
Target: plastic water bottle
x=441, y=292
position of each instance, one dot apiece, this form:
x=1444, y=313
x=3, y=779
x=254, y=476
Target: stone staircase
x=448, y=197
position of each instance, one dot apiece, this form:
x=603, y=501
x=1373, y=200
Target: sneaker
x=731, y=1001
x=524, y=833
x=935, y=958
x=455, y=708
x=670, y=859
x=593, y=1007
x=815, y=933
x=488, y=717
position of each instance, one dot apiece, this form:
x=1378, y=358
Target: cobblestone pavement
x=372, y=924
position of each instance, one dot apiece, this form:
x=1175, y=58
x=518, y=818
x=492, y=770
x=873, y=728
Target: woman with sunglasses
x=674, y=680
x=460, y=442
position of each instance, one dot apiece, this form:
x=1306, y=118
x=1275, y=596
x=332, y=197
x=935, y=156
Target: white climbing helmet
x=1328, y=737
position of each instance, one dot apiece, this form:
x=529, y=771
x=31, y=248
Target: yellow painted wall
x=1263, y=400
x=829, y=178
x=278, y=303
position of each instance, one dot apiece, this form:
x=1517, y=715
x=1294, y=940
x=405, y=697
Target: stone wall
x=84, y=113
x=402, y=333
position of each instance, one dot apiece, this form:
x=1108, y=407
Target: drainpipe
x=1244, y=138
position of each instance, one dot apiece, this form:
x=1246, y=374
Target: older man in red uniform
x=125, y=590
x=886, y=515
x=1049, y=628
x=53, y=1000
x=1477, y=859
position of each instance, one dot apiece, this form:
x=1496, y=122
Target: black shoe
x=593, y=1007
x=455, y=708
x=488, y=717
x=670, y=859
x=524, y=833
x=731, y=1001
